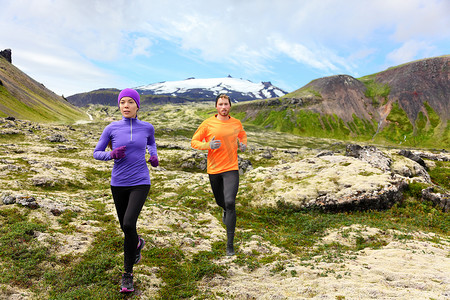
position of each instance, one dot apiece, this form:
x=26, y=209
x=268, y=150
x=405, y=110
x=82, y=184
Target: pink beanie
x=130, y=93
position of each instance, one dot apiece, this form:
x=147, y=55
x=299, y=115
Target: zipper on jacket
x=131, y=129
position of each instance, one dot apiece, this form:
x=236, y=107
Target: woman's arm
x=99, y=151
x=151, y=143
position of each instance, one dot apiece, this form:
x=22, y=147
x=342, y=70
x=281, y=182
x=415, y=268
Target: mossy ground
x=171, y=271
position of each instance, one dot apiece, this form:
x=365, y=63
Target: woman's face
x=128, y=107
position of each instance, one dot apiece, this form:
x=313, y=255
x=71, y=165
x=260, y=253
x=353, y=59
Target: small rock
x=442, y=200
x=267, y=154
x=57, y=138
x=27, y=201
x=43, y=181
x=8, y=199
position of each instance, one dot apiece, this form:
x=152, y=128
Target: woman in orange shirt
x=222, y=135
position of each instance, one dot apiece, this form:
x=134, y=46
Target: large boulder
x=382, y=198
x=329, y=182
x=7, y=54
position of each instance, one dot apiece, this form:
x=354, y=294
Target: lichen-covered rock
x=371, y=155
x=57, y=138
x=8, y=199
x=383, y=198
x=410, y=155
x=442, y=200
x=43, y=181
x=330, y=182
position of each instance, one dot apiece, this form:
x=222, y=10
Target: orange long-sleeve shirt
x=229, y=132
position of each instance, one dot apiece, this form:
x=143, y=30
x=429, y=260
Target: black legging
x=225, y=187
x=129, y=202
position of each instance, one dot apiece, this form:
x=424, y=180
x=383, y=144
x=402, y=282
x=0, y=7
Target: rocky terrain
x=47, y=173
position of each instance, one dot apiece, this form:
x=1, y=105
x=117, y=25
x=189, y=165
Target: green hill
x=24, y=98
x=406, y=105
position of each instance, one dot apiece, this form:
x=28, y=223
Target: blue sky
x=82, y=45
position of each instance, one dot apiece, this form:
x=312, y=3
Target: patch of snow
x=216, y=85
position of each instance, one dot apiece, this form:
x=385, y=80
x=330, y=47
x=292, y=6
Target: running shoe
x=127, y=283
x=138, y=251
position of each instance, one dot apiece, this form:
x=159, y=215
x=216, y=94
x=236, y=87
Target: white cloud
x=303, y=54
x=141, y=47
x=328, y=35
x=361, y=54
x=409, y=51
x=420, y=19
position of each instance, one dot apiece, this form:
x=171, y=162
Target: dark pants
x=129, y=202
x=225, y=187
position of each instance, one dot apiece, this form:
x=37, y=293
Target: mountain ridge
x=407, y=103
x=238, y=89
x=188, y=90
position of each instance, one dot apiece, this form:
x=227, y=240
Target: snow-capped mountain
x=237, y=89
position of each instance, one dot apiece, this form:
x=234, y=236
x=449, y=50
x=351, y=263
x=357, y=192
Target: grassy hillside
x=302, y=113
x=24, y=98
x=404, y=105
x=430, y=131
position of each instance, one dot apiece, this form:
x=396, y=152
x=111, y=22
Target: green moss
x=304, y=92
x=239, y=115
x=97, y=178
x=179, y=274
x=94, y=269
x=432, y=115
x=366, y=173
x=65, y=219
x=298, y=230
x=421, y=122
x=377, y=92
x=38, y=106
x=440, y=174
x=325, y=120
x=428, y=129
x=373, y=242
x=12, y=138
x=362, y=129
x=20, y=250
x=42, y=110
x=400, y=128
x=414, y=189
x=446, y=136
x=309, y=124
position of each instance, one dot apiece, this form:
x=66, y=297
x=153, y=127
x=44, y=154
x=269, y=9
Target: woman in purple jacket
x=130, y=180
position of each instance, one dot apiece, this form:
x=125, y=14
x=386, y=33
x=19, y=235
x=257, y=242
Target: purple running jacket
x=137, y=136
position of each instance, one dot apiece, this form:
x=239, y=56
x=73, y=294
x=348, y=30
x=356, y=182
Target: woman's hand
x=118, y=153
x=153, y=160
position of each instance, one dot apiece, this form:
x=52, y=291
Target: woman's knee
x=129, y=227
x=230, y=205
